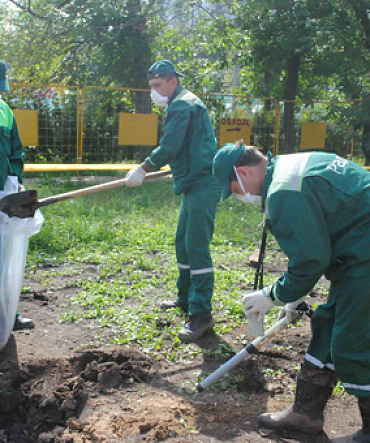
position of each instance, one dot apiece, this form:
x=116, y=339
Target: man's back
x=319, y=209
x=189, y=141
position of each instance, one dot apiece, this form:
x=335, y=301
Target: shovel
x=25, y=203
x=293, y=314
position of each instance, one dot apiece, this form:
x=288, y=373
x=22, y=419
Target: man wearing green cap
x=188, y=146
x=11, y=159
x=318, y=208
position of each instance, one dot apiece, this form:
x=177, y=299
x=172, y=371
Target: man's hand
x=257, y=303
x=136, y=176
x=286, y=310
x=21, y=188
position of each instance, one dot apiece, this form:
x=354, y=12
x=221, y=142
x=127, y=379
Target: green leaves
x=113, y=43
x=87, y=42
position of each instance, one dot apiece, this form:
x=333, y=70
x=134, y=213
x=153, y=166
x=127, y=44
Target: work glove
x=287, y=310
x=257, y=303
x=21, y=188
x=135, y=176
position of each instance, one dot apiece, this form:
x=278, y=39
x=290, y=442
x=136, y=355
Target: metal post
x=80, y=111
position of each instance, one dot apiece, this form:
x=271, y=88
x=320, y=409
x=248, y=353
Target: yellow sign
x=234, y=129
x=313, y=135
x=28, y=126
x=138, y=129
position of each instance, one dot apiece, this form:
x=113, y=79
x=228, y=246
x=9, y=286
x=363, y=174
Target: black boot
x=314, y=388
x=195, y=327
x=23, y=323
x=363, y=435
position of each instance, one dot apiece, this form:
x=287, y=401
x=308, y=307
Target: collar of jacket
x=268, y=179
x=176, y=92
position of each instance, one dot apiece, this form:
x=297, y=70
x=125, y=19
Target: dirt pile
x=39, y=401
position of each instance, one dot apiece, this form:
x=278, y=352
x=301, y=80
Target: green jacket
x=11, y=151
x=188, y=144
x=318, y=207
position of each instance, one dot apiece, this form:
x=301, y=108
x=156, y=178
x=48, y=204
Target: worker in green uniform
x=317, y=206
x=188, y=146
x=11, y=160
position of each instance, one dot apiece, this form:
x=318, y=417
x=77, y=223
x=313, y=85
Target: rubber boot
x=314, y=388
x=363, y=435
x=196, y=327
x=23, y=323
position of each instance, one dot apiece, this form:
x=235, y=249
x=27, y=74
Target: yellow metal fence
x=100, y=125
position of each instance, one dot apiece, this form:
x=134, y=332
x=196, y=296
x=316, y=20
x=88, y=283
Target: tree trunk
x=140, y=62
x=365, y=143
x=289, y=137
x=267, y=92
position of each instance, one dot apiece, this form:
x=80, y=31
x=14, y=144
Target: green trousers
x=193, y=237
x=341, y=332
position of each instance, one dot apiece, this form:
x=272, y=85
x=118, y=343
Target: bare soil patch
x=65, y=383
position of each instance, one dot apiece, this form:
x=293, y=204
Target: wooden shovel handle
x=97, y=188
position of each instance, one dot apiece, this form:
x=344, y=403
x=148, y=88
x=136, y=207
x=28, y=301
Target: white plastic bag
x=14, y=236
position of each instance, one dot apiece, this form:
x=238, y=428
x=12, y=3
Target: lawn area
x=128, y=233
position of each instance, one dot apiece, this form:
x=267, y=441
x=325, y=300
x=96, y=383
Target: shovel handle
x=256, y=344
x=252, y=348
x=97, y=188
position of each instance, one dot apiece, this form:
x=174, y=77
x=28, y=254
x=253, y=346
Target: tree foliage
x=78, y=41
x=291, y=50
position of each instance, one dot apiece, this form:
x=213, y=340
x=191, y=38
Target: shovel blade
x=20, y=204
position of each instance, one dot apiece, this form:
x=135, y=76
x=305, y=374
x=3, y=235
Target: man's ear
x=173, y=81
x=246, y=171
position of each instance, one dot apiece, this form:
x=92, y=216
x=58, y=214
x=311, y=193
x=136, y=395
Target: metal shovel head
x=21, y=204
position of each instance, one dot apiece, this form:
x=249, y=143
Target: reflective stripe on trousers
x=341, y=332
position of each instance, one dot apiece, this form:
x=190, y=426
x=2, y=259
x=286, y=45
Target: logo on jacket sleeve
x=337, y=165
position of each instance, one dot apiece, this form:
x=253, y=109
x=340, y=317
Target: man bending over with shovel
x=318, y=208
x=188, y=146
x=11, y=164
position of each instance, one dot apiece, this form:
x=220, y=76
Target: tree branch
x=28, y=9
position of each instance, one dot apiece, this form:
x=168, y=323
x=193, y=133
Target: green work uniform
x=318, y=208
x=188, y=146
x=11, y=151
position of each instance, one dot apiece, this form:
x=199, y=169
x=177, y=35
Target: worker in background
x=188, y=146
x=317, y=206
x=11, y=160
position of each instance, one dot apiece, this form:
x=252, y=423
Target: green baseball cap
x=4, y=85
x=162, y=68
x=223, y=164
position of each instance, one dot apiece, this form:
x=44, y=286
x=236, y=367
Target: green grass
x=129, y=234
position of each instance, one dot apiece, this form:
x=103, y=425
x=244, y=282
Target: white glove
x=286, y=310
x=135, y=176
x=257, y=303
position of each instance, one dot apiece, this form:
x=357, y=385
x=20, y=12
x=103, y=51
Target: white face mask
x=158, y=99
x=247, y=197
